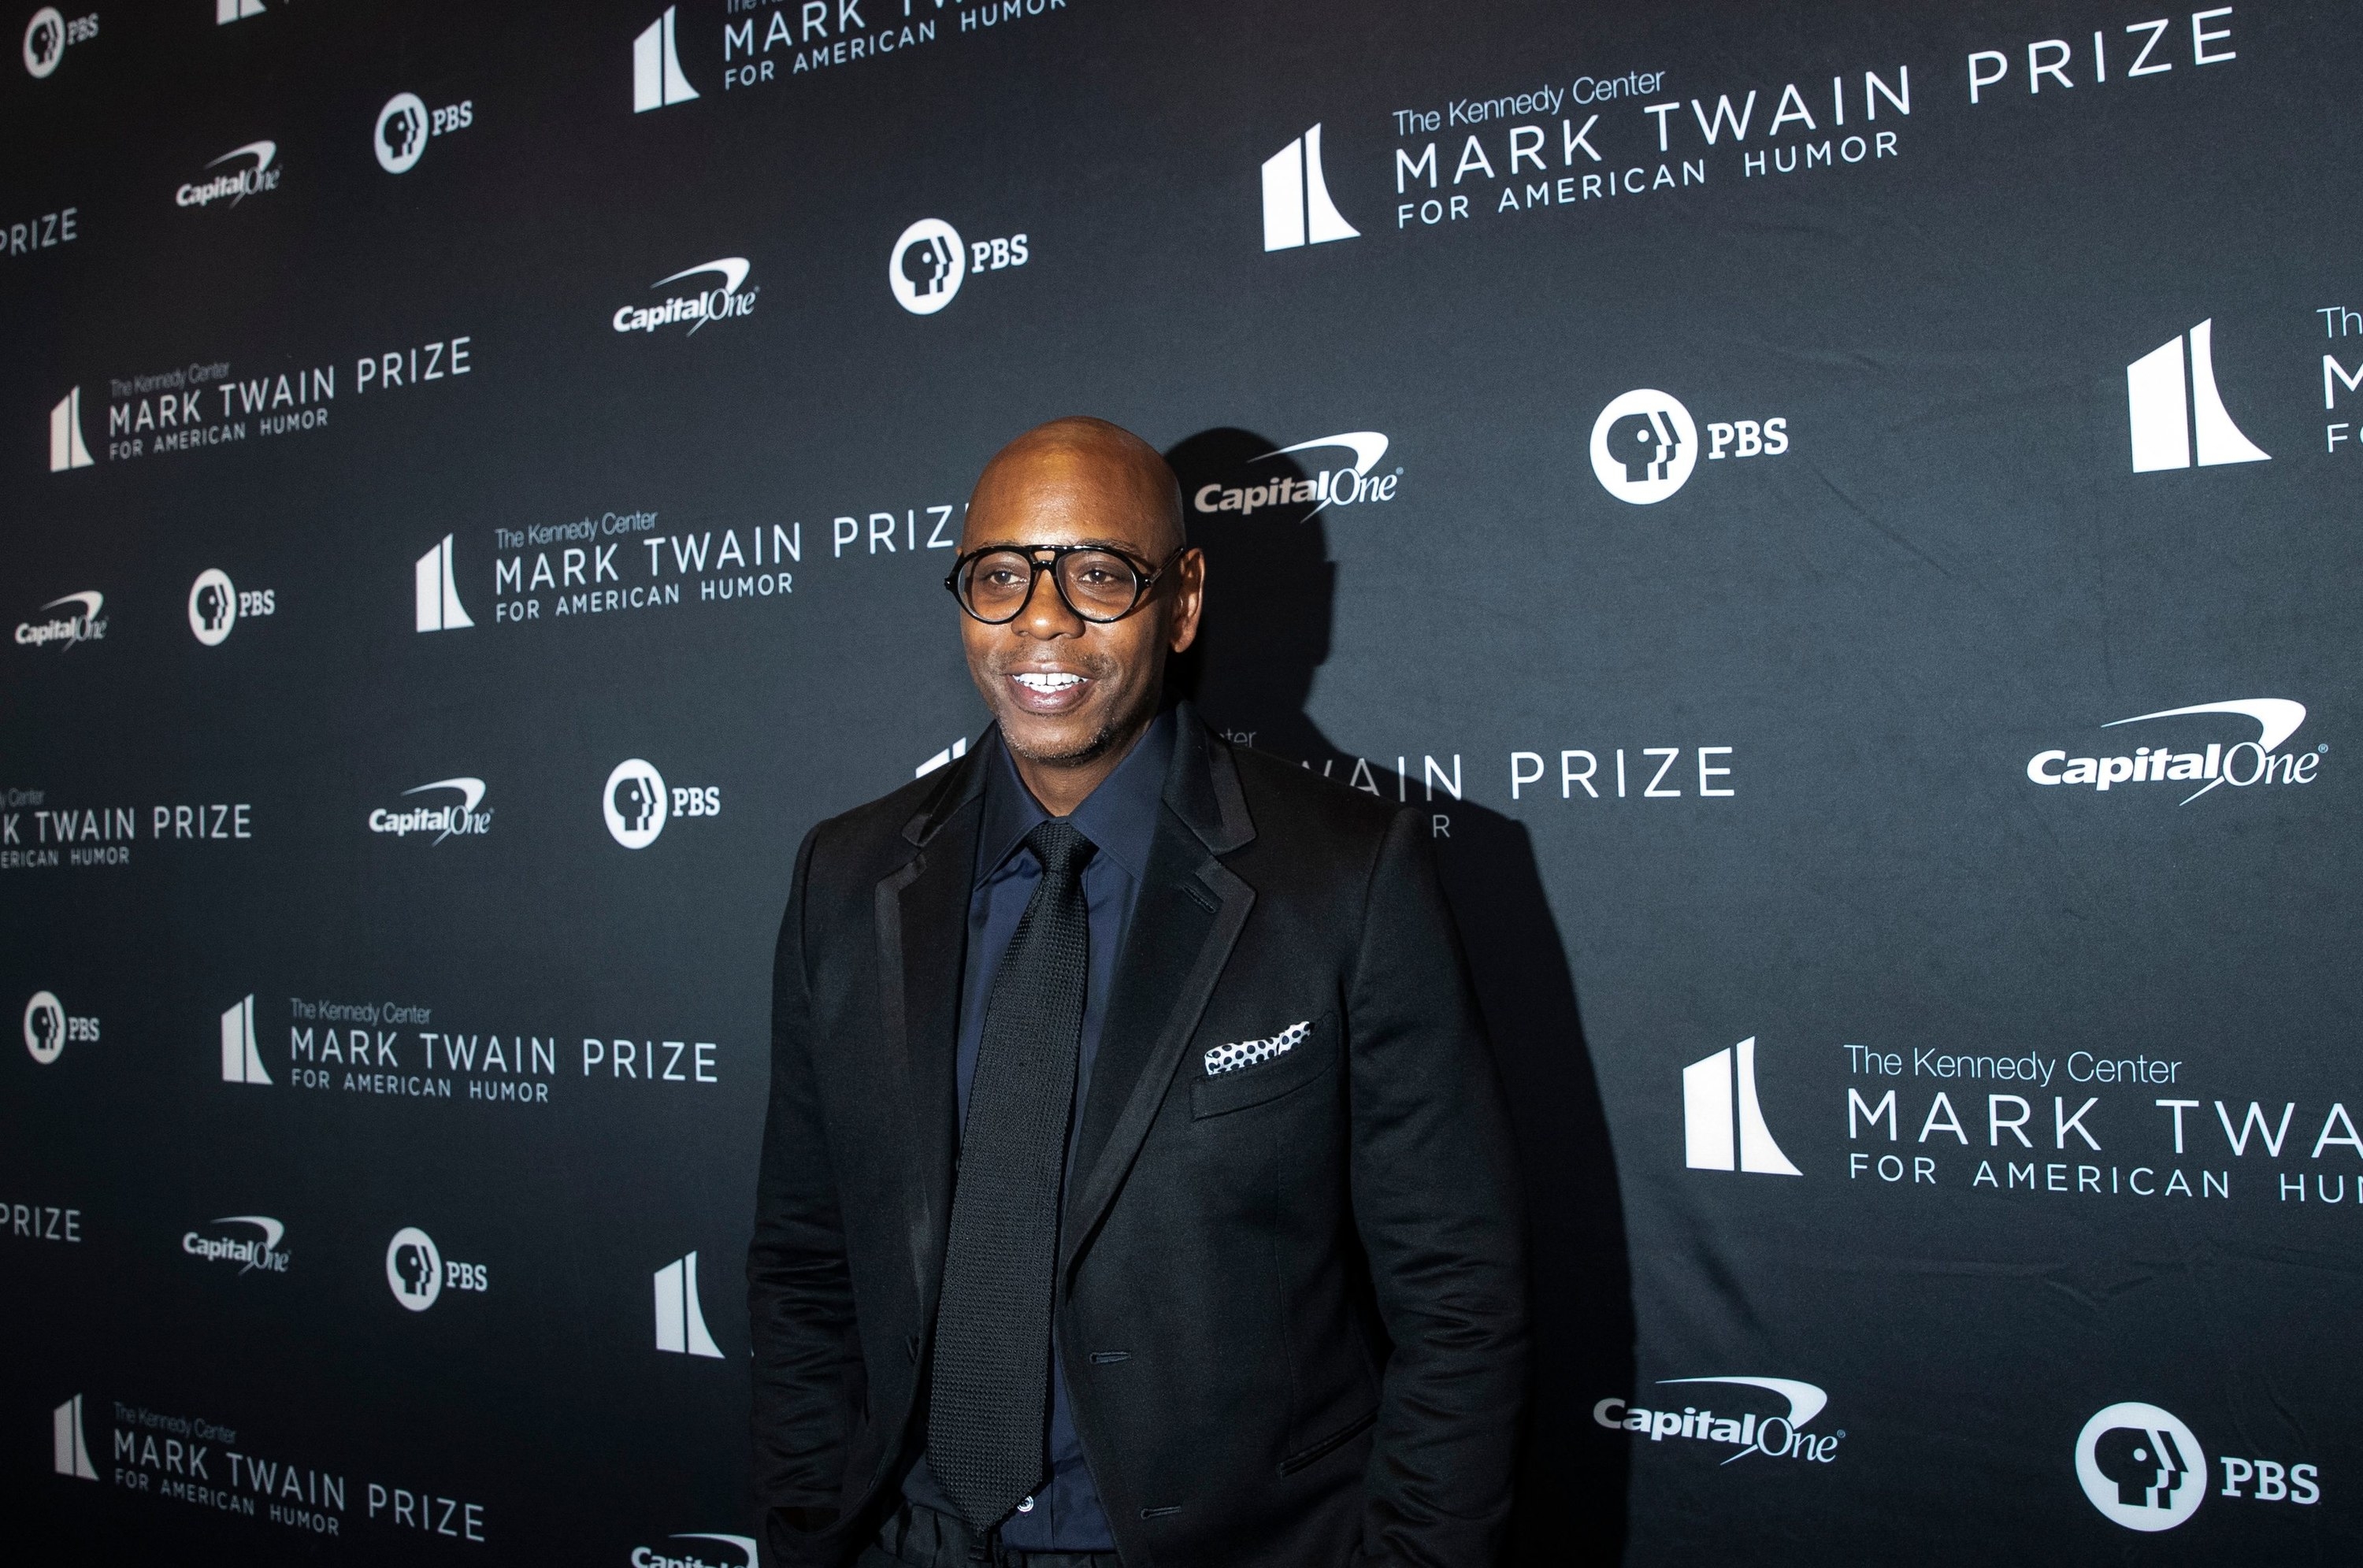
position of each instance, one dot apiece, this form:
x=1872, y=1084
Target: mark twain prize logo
x=943, y=758
x=66, y=448
x=724, y=302
x=681, y=1320
x=405, y=125
x=1723, y=1124
x=229, y=11
x=741, y=1553
x=47, y=36
x=260, y=1250
x=1331, y=483
x=69, y=1448
x=445, y=820
x=216, y=606
x=241, y=1063
x=1778, y=1435
x=1297, y=210
x=235, y=184
x=2168, y=409
x=636, y=804
x=81, y=623
x=657, y=81
x=48, y=1027
x=436, y=591
x=2243, y=762
x=930, y=261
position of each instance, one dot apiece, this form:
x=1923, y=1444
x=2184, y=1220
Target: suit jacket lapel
x=1190, y=912
x=922, y=917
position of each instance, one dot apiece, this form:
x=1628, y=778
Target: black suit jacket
x=1291, y=1297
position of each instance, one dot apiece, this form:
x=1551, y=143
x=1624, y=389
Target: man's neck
x=1059, y=788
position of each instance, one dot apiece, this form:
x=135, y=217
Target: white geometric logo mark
x=213, y=607
x=2141, y=1467
x=634, y=804
x=657, y=80
x=1296, y=205
x=400, y=138
x=72, y=1454
x=681, y=1324
x=226, y=11
x=1711, y=1108
x=45, y=1027
x=943, y=758
x=66, y=449
x=2164, y=419
x=241, y=1063
x=926, y=267
x=438, y=595
x=414, y=1269
x=45, y=42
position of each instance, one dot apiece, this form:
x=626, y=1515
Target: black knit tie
x=987, y=1423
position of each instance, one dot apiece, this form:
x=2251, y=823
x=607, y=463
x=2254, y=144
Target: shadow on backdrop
x=1272, y=591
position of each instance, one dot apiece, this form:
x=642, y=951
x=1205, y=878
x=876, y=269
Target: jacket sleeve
x=808, y=1370
x=1436, y=1204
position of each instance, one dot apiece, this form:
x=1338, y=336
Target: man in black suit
x=1136, y=1186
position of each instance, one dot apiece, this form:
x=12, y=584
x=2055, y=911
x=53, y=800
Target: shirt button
x=1026, y=1507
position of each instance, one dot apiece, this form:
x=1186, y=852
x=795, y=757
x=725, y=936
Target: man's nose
x=1044, y=612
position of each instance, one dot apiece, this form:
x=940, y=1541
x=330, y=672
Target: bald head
x=1083, y=471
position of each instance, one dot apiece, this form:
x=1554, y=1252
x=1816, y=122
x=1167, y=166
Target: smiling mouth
x=1049, y=683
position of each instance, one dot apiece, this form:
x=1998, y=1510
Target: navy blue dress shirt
x=1120, y=819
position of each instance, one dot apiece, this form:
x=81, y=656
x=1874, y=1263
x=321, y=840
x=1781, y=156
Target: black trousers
x=919, y=1537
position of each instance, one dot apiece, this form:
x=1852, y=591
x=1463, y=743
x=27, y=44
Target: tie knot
x=1059, y=847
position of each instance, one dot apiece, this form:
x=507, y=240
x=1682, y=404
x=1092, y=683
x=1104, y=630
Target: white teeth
x=1049, y=683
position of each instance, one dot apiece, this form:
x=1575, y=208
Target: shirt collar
x=1119, y=817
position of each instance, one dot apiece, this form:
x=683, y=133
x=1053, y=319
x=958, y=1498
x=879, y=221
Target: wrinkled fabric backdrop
x=1842, y=520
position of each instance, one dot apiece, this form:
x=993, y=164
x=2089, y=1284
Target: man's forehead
x=1099, y=497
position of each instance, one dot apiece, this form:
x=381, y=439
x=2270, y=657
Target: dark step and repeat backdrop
x=1840, y=515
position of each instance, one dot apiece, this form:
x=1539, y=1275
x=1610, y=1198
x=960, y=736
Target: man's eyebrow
x=1121, y=547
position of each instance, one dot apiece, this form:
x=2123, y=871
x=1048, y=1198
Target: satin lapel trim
x=922, y=912
x=1176, y=950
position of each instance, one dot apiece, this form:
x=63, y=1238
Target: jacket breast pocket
x=1251, y=1072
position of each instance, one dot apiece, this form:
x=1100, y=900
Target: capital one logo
x=241, y=1062
x=1723, y=1125
x=237, y=183
x=2242, y=764
x=724, y=302
x=657, y=80
x=81, y=624
x=2141, y=1467
x=249, y=1252
x=66, y=449
x=690, y=1557
x=1296, y=206
x=70, y=1450
x=2166, y=411
x=1340, y=484
x=436, y=591
x=1779, y=1436
x=681, y=1321
x=452, y=818
x=637, y=804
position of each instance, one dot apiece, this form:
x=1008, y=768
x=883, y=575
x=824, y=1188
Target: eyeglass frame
x=1146, y=577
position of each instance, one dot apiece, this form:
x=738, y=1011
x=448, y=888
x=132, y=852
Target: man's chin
x=1069, y=743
